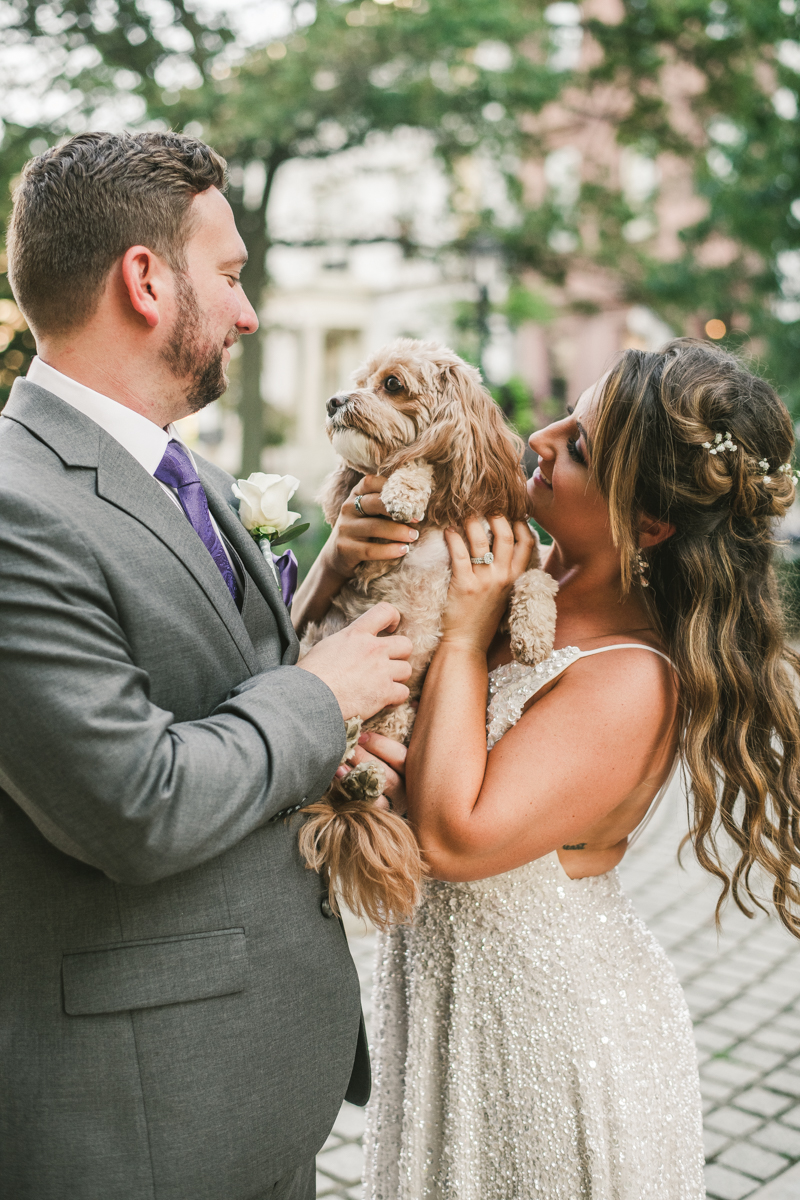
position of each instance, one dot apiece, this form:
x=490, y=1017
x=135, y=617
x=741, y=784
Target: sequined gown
x=530, y=1039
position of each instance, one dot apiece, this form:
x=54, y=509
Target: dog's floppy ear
x=476, y=456
x=335, y=490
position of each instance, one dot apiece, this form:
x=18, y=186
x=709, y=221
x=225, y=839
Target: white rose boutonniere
x=264, y=505
x=264, y=512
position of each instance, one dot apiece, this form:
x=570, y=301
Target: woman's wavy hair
x=713, y=593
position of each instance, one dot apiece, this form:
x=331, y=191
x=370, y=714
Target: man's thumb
x=383, y=618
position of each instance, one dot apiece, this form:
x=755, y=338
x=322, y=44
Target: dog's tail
x=369, y=857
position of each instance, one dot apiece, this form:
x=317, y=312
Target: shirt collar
x=142, y=438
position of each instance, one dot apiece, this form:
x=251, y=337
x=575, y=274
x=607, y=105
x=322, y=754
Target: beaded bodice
x=512, y=685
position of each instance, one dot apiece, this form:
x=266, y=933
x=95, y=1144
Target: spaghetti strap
x=628, y=646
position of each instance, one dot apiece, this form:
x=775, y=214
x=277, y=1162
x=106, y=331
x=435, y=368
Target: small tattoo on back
x=577, y=846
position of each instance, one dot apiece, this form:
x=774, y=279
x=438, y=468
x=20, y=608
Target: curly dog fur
x=448, y=454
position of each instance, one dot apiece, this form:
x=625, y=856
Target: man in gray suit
x=179, y=1013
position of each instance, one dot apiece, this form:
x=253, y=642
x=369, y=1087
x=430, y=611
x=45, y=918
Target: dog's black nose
x=335, y=402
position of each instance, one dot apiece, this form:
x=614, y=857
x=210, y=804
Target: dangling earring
x=642, y=568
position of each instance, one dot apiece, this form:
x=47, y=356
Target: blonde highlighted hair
x=713, y=594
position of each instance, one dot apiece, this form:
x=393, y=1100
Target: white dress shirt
x=142, y=438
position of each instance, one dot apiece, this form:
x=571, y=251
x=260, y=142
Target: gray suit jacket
x=178, y=1017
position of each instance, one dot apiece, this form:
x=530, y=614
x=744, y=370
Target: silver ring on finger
x=359, y=509
x=487, y=558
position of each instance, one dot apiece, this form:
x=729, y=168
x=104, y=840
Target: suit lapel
x=227, y=518
x=121, y=481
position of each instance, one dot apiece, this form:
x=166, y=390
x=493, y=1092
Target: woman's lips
x=540, y=481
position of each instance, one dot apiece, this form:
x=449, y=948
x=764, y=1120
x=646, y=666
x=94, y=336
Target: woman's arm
x=578, y=767
x=351, y=542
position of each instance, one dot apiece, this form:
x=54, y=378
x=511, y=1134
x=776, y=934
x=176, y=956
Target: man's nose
x=337, y=401
x=248, y=321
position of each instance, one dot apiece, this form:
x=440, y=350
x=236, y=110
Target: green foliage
x=515, y=399
x=544, y=536
x=525, y=305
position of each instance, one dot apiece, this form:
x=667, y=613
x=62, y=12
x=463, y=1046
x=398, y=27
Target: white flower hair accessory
x=783, y=469
x=721, y=442
x=725, y=442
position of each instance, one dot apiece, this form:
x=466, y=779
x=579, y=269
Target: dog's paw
x=532, y=617
x=405, y=496
x=352, y=732
x=364, y=782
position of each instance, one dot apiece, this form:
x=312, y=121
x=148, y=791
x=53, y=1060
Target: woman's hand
x=350, y=541
x=479, y=591
x=374, y=747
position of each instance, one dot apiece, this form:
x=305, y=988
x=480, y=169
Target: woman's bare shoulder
x=613, y=676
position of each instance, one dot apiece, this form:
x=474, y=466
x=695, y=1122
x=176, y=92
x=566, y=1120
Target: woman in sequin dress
x=530, y=1036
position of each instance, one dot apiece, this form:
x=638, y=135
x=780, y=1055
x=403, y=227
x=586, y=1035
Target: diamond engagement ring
x=359, y=509
x=487, y=558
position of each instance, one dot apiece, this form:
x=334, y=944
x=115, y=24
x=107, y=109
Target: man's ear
x=652, y=532
x=143, y=277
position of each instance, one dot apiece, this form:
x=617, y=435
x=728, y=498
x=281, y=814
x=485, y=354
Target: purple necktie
x=176, y=471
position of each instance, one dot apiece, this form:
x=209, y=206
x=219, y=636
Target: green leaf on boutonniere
x=288, y=535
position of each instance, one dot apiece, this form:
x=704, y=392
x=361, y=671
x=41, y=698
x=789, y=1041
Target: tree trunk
x=252, y=224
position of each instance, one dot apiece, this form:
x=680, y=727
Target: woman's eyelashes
x=575, y=452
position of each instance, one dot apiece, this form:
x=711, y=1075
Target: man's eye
x=573, y=450
x=392, y=384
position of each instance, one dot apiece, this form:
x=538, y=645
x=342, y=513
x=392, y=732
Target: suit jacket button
x=325, y=907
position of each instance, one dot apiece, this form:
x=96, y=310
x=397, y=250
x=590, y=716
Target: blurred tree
x=740, y=263
x=460, y=69
x=713, y=82
x=463, y=70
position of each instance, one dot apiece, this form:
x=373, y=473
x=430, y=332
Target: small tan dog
x=420, y=415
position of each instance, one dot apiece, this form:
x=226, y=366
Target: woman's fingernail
x=363, y=738
x=342, y=771
x=404, y=549
x=414, y=534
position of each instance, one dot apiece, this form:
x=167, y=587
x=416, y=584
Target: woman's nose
x=535, y=441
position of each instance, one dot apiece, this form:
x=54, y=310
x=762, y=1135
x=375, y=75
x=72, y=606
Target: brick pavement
x=743, y=989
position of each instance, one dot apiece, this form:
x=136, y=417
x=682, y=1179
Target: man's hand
x=365, y=672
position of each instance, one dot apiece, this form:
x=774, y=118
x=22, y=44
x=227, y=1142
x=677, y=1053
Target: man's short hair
x=80, y=206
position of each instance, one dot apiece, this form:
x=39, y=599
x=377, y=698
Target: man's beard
x=188, y=353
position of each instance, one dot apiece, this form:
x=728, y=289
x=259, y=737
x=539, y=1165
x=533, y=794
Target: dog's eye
x=392, y=384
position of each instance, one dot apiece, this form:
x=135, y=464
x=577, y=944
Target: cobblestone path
x=743, y=989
